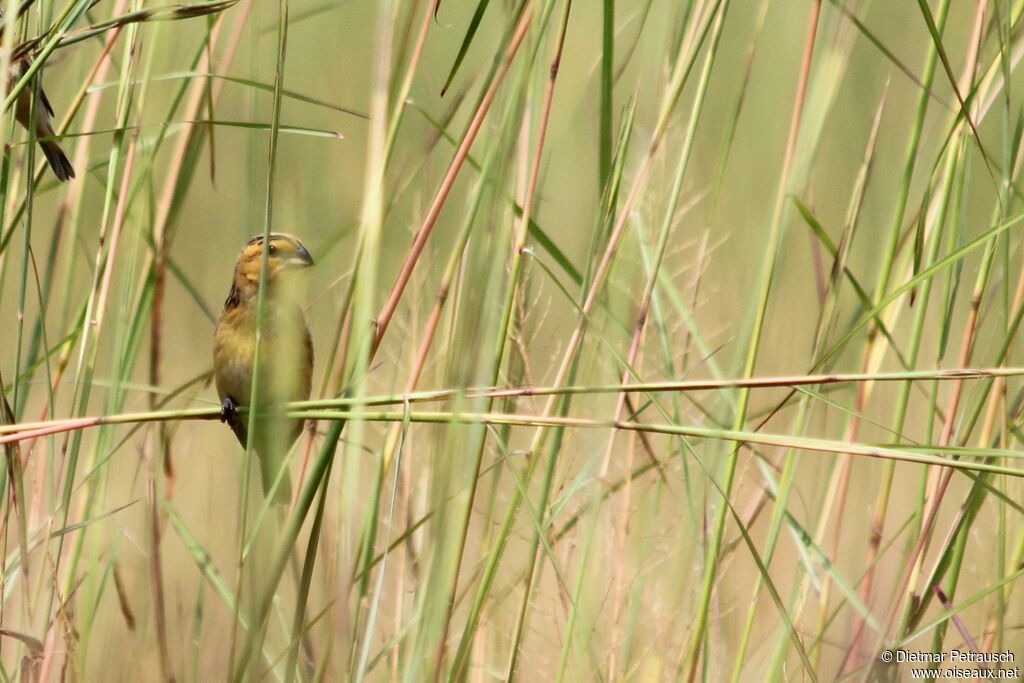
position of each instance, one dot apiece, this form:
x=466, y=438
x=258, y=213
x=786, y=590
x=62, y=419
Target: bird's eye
x=272, y=250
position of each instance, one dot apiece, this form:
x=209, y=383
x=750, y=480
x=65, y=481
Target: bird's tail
x=58, y=160
x=271, y=449
x=272, y=469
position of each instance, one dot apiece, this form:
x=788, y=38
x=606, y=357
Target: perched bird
x=43, y=114
x=42, y=117
x=285, y=360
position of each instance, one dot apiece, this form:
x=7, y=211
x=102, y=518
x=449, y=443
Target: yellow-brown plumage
x=286, y=354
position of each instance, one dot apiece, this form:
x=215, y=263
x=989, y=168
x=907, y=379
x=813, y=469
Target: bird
x=43, y=111
x=42, y=115
x=285, y=354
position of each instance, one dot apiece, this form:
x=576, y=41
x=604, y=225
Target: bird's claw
x=227, y=409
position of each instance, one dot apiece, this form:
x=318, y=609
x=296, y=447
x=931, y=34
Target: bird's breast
x=285, y=358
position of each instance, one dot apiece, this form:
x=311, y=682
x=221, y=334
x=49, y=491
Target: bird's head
x=284, y=255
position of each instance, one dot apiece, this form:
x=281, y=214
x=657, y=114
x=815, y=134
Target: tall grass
x=655, y=340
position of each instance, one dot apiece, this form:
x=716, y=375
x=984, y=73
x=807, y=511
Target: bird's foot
x=228, y=409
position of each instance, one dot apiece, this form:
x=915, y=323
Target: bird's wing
x=46, y=102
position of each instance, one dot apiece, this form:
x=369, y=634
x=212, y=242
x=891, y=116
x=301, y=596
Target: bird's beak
x=301, y=258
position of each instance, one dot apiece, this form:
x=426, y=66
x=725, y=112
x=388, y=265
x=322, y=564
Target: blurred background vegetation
x=705, y=190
